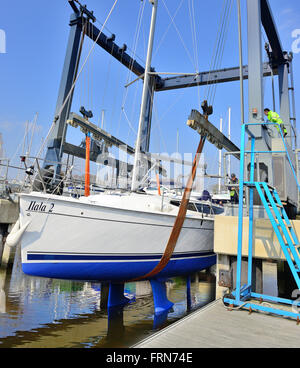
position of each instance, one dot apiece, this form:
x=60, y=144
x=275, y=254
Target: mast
x=135, y=173
x=229, y=137
x=1, y=147
x=220, y=157
x=102, y=118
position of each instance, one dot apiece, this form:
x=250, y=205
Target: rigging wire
x=178, y=33
x=194, y=61
x=32, y=132
x=218, y=51
x=157, y=124
x=215, y=49
x=195, y=42
x=167, y=30
x=135, y=44
x=90, y=71
x=83, y=34
x=111, y=33
x=116, y=92
x=107, y=78
x=76, y=79
x=224, y=38
x=194, y=35
x=220, y=48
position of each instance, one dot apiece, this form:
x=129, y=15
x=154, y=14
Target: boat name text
x=40, y=206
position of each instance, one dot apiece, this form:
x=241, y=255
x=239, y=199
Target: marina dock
x=215, y=327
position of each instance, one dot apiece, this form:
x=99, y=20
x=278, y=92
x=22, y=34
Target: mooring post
x=104, y=295
x=2, y=290
x=188, y=293
x=115, y=323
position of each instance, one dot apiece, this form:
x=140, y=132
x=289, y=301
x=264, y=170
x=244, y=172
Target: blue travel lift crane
x=258, y=13
x=263, y=184
x=243, y=296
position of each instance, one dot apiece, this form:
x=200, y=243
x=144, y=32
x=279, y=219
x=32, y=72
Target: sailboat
x=111, y=237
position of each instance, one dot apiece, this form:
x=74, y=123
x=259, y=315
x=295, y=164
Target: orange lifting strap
x=179, y=219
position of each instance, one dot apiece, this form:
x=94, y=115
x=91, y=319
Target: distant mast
x=1, y=147
x=220, y=158
x=135, y=173
x=229, y=137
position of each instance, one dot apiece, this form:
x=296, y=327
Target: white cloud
x=6, y=126
x=289, y=19
x=287, y=11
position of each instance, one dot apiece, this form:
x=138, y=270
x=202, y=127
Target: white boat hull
x=70, y=239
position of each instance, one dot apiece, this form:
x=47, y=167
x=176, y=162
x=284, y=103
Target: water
x=46, y=313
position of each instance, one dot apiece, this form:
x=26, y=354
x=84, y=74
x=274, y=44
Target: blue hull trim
x=115, y=271
x=107, y=257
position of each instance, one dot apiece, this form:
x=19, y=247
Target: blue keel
x=116, y=296
x=161, y=302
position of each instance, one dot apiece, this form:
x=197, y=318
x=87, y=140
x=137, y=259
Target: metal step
x=294, y=244
x=271, y=188
x=286, y=225
x=277, y=205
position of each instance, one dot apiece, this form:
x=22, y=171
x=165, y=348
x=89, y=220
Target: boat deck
x=215, y=327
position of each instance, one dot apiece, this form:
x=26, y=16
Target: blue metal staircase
x=243, y=296
x=282, y=226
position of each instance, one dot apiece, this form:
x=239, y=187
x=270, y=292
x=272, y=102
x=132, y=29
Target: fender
x=16, y=234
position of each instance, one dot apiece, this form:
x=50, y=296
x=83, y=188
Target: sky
x=36, y=34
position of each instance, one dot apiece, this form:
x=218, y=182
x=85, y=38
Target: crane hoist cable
x=219, y=55
x=215, y=49
x=225, y=34
x=195, y=42
x=219, y=48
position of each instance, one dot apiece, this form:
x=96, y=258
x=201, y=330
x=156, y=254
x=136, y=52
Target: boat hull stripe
x=111, y=257
x=115, y=271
